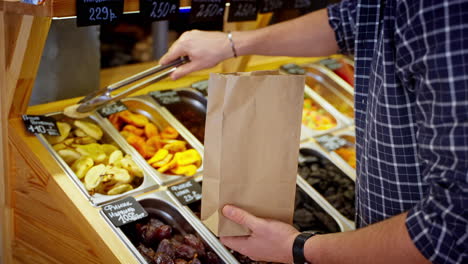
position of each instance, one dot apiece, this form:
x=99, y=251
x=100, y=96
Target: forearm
x=309, y=35
x=384, y=242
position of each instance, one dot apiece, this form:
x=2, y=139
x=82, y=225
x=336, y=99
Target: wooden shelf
x=59, y=8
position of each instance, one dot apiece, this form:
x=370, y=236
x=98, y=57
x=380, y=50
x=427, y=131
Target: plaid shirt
x=411, y=101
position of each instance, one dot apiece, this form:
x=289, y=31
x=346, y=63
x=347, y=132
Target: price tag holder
x=242, y=10
x=292, y=68
x=187, y=192
x=98, y=12
x=299, y=4
x=39, y=124
x=166, y=97
x=124, y=211
x=266, y=6
x=112, y=108
x=331, y=143
x=156, y=10
x=207, y=10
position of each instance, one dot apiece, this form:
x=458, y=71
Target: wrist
x=312, y=249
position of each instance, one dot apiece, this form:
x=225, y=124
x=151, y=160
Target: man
x=411, y=103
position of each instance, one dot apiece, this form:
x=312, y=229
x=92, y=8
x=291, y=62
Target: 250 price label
x=242, y=10
x=207, y=10
x=159, y=9
x=98, y=12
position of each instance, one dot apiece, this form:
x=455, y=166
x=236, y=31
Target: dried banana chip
x=82, y=165
x=94, y=150
x=84, y=140
x=108, y=148
x=129, y=164
x=59, y=146
x=115, y=157
x=94, y=177
x=160, y=155
x=119, y=175
x=90, y=129
x=69, y=141
x=118, y=189
x=79, y=133
x=71, y=111
x=69, y=155
x=64, y=129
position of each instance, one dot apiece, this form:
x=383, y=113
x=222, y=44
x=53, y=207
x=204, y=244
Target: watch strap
x=298, y=247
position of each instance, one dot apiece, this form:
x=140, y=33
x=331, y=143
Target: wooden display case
x=44, y=217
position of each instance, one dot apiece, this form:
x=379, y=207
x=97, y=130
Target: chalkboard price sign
x=112, y=108
x=300, y=4
x=266, y=6
x=331, y=143
x=292, y=68
x=242, y=10
x=156, y=10
x=98, y=12
x=38, y=124
x=187, y=192
x=124, y=211
x=207, y=10
x=166, y=97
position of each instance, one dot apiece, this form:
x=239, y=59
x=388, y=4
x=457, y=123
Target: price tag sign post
x=242, y=10
x=124, y=211
x=98, y=12
x=207, y=10
x=166, y=97
x=112, y=108
x=187, y=192
x=39, y=124
x=156, y=10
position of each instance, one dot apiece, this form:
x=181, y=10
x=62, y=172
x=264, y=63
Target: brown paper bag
x=251, y=147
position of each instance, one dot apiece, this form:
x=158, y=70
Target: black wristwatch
x=298, y=247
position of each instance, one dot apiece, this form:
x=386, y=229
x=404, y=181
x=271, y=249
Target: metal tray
x=165, y=206
x=190, y=111
x=201, y=86
x=146, y=106
x=330, y=91
x=316, y=150
x=108, y=137
x=307, y=132
x=345, y=133
x=333, y=76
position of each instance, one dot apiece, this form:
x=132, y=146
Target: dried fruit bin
x=108, y=139
x=171, y=230
x=145, y=106
x=347, y=153
x=323, y=85
x=189, y=108
x=321, y=174
x=341, y=70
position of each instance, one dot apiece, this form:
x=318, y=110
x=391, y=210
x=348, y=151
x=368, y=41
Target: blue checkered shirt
x=411, y=103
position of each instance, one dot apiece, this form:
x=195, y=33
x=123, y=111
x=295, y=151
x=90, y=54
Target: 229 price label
x=155, y=10
x=207, y=10
x=98, y=12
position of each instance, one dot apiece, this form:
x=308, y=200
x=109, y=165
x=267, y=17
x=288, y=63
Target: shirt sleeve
x=342, y=19
x=436, y=39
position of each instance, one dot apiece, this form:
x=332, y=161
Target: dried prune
x=163, y=232
x=180, y=261
x=212, y=258
x=185, y=251
x=167, y=248
x=195, y=243
x=195, y=261
x=162, y=258
x=146, y=252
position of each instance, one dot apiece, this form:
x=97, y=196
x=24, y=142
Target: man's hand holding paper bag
x=251, y=147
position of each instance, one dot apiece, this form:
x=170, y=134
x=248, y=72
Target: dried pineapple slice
x=162, y=162
x=172, y=164
x=188, y=157
x=118, y=174
x=118, y=189
x=69, y=155
x=82, y=165
x=160, y=155
x=189, y=170
x=94, y=177
x=64, y=129
x=89, y=128
x=94, y=150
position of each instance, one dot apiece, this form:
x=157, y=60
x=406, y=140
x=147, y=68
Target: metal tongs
x=103, y=96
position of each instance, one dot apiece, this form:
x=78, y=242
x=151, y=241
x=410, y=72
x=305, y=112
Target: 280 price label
x=155, y=10
x=98, y=12
x=207, y=10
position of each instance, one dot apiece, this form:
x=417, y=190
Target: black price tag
x=292, y=68
x=187, y=192
x=124, y=211
x=112, y=108
x=202, y=87
x=299, y=4
x=331, y=143
x=39, y=124
x=242, y=10
x=266, y=6
x=98, y=12
x=166, y=97
x=332, y=64
x=207, y=10
x=156, y=10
